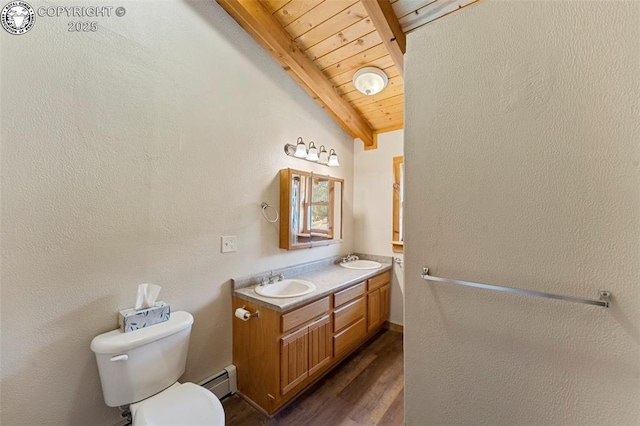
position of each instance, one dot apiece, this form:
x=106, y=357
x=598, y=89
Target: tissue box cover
x=130, y=319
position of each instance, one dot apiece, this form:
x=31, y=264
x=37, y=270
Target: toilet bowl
x=141, y=369
x=181, y=404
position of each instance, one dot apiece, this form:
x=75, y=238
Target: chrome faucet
x=272, y=277
x=350, y=257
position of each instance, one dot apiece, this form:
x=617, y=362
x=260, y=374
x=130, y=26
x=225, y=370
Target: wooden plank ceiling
x=322, y=43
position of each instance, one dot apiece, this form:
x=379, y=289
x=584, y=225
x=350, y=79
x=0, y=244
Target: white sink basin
x=286, y=288
x=361, y=264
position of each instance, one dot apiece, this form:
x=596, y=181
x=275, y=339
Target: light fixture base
x=317, y=156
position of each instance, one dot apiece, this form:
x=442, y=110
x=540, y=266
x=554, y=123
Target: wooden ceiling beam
x=386, y=22
x=267, y=31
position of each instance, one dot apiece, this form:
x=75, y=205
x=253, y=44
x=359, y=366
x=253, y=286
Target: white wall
x=373, y=204
x=522, y=163
x=126, y=154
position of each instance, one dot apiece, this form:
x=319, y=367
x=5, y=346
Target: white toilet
x=142, y=367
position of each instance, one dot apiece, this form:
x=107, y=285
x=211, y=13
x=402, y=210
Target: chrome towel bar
x=604, y=301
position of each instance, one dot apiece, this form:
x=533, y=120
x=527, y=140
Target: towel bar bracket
x=605, y=296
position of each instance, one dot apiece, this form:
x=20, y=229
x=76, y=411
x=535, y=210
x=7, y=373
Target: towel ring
x=266, y=206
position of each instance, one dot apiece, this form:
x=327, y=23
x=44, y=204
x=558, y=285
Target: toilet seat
x=181, y=404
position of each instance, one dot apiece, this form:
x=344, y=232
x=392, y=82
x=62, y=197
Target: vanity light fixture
x=301, y=149
x=333, y=159
x=314, y=155
x=323, y=155
x=370, y=80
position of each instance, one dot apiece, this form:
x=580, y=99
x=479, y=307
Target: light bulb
x=333, y=159
x=301, y=149
x=313, y=152
x=323, y=156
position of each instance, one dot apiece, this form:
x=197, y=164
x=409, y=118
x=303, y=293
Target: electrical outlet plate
x=228, y=243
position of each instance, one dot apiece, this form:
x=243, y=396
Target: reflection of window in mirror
x=321, y=211
x=397, y=239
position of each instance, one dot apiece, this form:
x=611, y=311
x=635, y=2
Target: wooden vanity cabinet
x=304, y=352
x=279, y=354
x=385, y=302
x=349, y=314
x=378, y=292
x=308, y=349
x=373, y=310
x=294, y=359
x=349, y=318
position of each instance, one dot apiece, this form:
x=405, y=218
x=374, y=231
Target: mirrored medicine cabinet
x=310, y=209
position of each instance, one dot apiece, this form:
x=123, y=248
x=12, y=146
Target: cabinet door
x=373, y=309
x=384, y=302
x=294, y=359
x=319, y=344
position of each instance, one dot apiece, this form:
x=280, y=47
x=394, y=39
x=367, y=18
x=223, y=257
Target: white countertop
x=327, y=280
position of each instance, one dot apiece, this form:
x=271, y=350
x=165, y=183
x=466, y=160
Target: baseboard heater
x=223, y=383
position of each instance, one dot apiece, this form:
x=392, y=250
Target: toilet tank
x=138, y=364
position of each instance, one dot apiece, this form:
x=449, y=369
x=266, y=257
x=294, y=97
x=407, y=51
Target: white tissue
x=147, y=296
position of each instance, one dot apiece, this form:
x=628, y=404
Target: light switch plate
x=229, y=244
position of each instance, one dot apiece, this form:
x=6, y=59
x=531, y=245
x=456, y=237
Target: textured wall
x=126, y=154
x=523, y=169
x=373, y=204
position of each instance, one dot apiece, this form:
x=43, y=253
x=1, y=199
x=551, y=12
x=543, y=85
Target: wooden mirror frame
x=397, y=238
x=286, y=217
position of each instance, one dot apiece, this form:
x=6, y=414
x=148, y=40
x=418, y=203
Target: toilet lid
x=185, y=405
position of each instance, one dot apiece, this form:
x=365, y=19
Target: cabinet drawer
x=379, y=280
x=349, y=314
x=349, y=338
x=347, y=295
x=298, y=317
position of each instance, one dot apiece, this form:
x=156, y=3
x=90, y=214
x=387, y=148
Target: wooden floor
x=365, y=389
